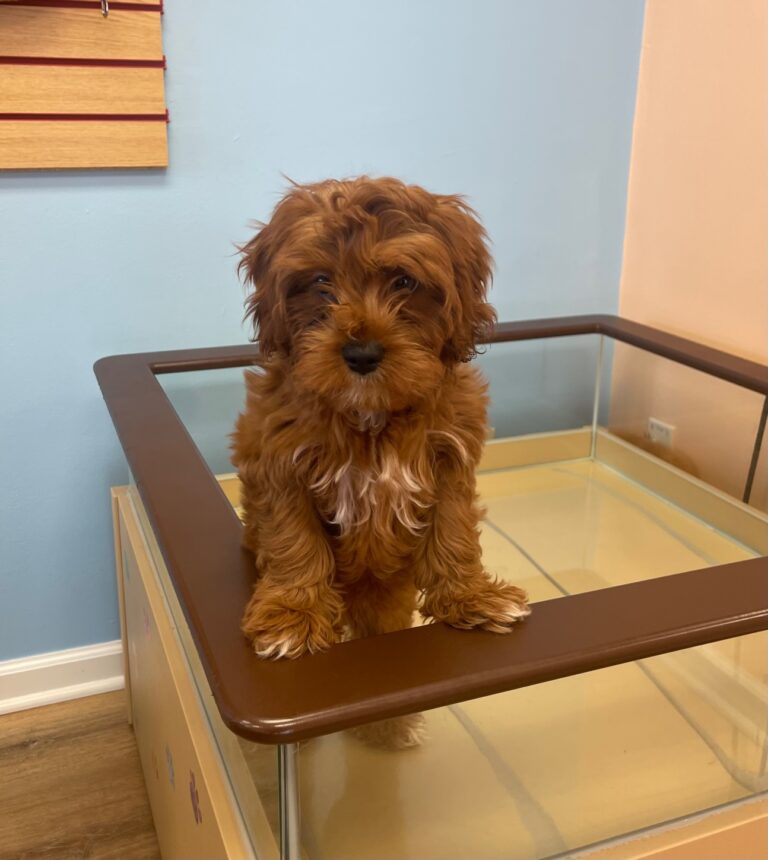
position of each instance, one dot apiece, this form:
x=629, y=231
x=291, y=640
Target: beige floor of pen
x=547, y=769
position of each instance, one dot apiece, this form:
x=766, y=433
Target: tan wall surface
x=696, y=242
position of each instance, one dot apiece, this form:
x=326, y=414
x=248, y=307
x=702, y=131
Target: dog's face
x=370, y=288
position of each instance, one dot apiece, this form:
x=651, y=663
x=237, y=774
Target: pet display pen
x=633, y=697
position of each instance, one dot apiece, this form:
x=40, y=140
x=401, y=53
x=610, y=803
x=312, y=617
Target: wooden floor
x=71, y=784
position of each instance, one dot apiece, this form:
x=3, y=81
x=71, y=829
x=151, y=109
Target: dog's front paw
x=277, y=630
x=493, y=605
x=397, y=733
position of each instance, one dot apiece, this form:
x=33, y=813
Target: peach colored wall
x=696, y=241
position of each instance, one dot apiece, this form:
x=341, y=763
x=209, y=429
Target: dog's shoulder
x=268, y=413
x=467, y=400
x=459, y=427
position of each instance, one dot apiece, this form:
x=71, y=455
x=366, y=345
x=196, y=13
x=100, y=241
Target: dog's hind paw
x=397, y=733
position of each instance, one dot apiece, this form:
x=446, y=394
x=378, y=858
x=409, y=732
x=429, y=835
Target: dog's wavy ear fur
x=265, y=306
x=459, y=227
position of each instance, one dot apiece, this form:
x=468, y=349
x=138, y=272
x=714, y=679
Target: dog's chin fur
x=358, y=490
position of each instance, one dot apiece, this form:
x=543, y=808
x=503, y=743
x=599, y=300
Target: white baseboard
x=43, y=679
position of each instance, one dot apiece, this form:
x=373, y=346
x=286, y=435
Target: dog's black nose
x=361, y=357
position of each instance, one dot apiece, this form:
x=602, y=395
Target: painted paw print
x=169, y=764
x=193, y=796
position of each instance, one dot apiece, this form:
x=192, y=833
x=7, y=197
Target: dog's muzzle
x=362, y=358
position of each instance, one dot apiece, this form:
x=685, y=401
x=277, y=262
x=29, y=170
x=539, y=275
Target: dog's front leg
x=455, y=586
x=294, y=608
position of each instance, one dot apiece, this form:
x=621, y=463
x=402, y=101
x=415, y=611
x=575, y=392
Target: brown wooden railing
x=368, y=679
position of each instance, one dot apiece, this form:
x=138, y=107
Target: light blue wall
x=524, y=106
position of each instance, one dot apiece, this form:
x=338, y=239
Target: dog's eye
x=404, y=282
x=323, y=280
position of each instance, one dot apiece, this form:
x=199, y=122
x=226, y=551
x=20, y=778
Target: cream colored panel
x=739, y=832
x=255, y=790
x=231, y=485
x=194, y=811
x=181, y=806
x=505, y=453
x=115, y=495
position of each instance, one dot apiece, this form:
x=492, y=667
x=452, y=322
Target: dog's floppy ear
x=265, y=306
x=465, y=238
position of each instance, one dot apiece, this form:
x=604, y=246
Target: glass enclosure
x=540, y=386
x=705, y=426
x=607, y=465
x=535, y=387
x=547, y=769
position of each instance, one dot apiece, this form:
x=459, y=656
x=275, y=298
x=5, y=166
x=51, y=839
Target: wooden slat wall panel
x=43, y=32
x=79, y=89
x=86, y=4
x=42, y=144
x=81, y=80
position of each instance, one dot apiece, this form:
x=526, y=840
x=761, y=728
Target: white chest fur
x=385, y=491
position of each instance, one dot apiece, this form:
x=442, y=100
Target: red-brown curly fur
x=359, y=491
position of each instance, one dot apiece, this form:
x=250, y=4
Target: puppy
x=363, y=424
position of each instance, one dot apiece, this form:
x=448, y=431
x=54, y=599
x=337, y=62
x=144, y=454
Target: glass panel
x=545, y=770
x=564, y=528
x=696, y=422
x=758, y=496
x=535, y=387
x=208, y=403
x=560, y=525
x=541, y=771
x=541, y=386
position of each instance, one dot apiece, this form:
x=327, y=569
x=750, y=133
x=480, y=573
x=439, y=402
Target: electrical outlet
x=660, y=432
